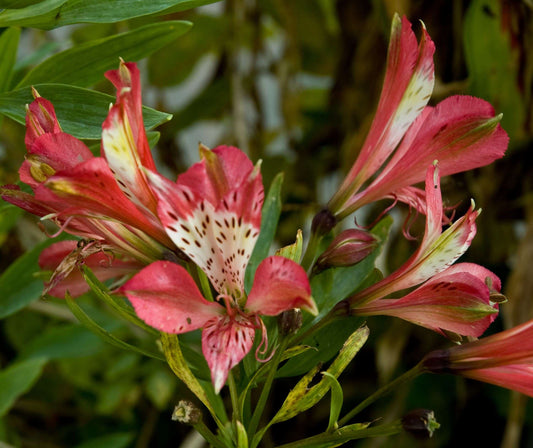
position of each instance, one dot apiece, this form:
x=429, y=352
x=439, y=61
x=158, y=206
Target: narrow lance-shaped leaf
x=336, y=400
x=84, y=64
x=50, y=14
x=9, y=40
x=303, y=397
x=269, y=221
x=81, y=112
x=104, y=334
x=18, y=379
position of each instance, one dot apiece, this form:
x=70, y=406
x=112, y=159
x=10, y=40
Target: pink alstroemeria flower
x=504, y=359
x=406, y=135
x=106, y=199
x=62, y=258
x=455, y=298
x=213, y=214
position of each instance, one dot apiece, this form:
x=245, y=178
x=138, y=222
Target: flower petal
x=279, y=285
x=40, y=119
x=455, y=300
x=407, y=87
x=225, y=341
x=165, y=296
x=219, y=237
x=124, y=142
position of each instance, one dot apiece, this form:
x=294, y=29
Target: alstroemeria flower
x=504, y=359
x=437, y=251
x=456, y=300
x=62, y=258
x=461, y=132
x=213, y=214
x=106, y=199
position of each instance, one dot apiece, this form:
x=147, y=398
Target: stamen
x=263, y=343
x=61, y=228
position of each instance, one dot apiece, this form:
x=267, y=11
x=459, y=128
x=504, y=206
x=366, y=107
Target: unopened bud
x=323, y=222
x=186, y=412
x=348, y=248
x=290, y=321
x=438, y=361
x=420, y=423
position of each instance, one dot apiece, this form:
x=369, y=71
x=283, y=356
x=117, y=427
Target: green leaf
x=176, y=361
x=85, y=64
x=492, y=66
x=337, y=397
x=9, y=41
x=18, y=284
x=65, y=341
x=303, y=397
x=117, y=440
x=269, y=222
x=50, y=14
x=80, y=112
x=293, y=251
x=18, y=379
x=104, y=334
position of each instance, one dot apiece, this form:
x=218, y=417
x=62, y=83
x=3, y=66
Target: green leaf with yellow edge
x=293, y=251
x=104, y=334
x=242, y=435
x=85, y=64
x=178, y=364
x=17, y=379
x=303, y=397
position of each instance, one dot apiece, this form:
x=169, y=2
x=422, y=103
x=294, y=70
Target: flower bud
x=348, y=248
x=187, y=412
x=323, y=222
x=420, y=423
x=290, y=321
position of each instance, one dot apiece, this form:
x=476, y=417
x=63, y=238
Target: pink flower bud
x=348, y=248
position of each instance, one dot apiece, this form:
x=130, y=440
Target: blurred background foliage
x=294, y=83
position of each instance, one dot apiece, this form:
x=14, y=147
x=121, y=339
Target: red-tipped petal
x=225, y=341
x=40, y=119
x=165, y=296
x=280, y=284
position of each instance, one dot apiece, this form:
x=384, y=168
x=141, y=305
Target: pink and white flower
x=406, y=135
x=453, y=298
x=213, y=214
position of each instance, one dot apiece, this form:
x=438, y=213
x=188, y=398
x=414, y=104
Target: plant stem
x=346, y=434
x=409, y=375
x=208, y=435
x=310, y=251
x=234, y=397
x=258, y=412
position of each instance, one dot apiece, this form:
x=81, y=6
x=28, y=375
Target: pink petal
x=91, y=190
x=124, y=142
x=454, y=300
x=406, y=90
x=218, y=236
x=280, y=284
x=59, y=152
x=514, y=377
x=64, y=257
x=165, y=296
x=225, y=342
x=40, y=119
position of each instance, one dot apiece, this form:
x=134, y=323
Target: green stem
x=206, y=433
x=310, y=252
x=234, y=397
x=258, y=412
x=342, y=435
x=409, y=375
